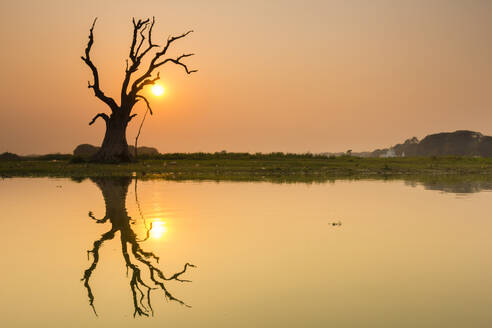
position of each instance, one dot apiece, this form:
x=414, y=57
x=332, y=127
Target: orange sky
x=291, y=76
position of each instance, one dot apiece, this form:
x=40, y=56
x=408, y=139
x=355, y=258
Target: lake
x=97, y=252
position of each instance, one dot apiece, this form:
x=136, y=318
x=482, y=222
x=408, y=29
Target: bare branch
x=88, y=272
x=139, y=28
x=136, y=28
x=103, y=220
x=177, y=62
x=147, y=82
x=151, y=45
x=95, y=86
x=144, y=80
x=171, y=40
x=143, y=120
x=147, y=229
x=146, y=102
x=102, y=115
x=142, y=39
x=138, y=252
x=176, y=275
x=136, y=280
x=131, y=117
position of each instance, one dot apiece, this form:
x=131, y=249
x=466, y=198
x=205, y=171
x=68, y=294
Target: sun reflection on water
x=157, y=229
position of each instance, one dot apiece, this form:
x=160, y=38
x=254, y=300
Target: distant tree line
x=222, y=155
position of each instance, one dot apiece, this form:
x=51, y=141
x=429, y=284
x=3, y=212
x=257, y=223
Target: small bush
x=9, y=157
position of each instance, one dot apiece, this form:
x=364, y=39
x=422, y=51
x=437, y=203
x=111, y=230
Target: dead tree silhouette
x=114, y=147
x=114, y=192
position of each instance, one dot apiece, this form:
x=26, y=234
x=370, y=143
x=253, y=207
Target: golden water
x=344, y=254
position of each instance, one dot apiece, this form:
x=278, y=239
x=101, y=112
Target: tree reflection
x=143, y=279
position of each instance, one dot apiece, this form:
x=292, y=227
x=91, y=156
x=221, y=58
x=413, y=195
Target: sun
x=158, y=90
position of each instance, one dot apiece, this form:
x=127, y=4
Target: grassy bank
x=247, y=167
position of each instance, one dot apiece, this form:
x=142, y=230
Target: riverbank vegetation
x=245, y=167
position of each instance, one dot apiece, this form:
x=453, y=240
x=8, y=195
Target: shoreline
x=289, y=169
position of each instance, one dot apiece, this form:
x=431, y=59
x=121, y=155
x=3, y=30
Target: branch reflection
x=144, y=279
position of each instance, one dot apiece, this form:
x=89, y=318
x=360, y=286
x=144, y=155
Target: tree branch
x=136, y=281
x=171, y=40
x=131, y=117
x=154, y=271
x=146, y=102
x=103, y=220
x=177, y=62
x=142, y=39
x=144, y=79
x=147, y=82
x=139, y=28
x=149, y=38
x=177, y=274
x=88, y=272
x=95, y=86
x=143, y=120
x=136, y=28
x=102, y=115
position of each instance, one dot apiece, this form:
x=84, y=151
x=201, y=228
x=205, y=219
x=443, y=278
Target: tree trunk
x=114, y=191
x=114, y=148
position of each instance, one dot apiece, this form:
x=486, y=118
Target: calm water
x=344, y=254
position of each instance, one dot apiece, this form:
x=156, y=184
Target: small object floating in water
x=334, y=224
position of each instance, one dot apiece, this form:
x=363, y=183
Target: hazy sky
x=273, y=75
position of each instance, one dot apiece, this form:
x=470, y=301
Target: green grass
x=257, y=167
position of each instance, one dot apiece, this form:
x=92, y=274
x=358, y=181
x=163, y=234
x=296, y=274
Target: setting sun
x=158, y=90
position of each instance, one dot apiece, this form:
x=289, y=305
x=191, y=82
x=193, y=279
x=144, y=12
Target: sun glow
x=158, y=90
x=157, y=229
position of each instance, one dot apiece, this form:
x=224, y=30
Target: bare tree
x=114, y=147
x=145, y=276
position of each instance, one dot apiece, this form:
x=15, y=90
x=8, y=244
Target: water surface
x=343, y=254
